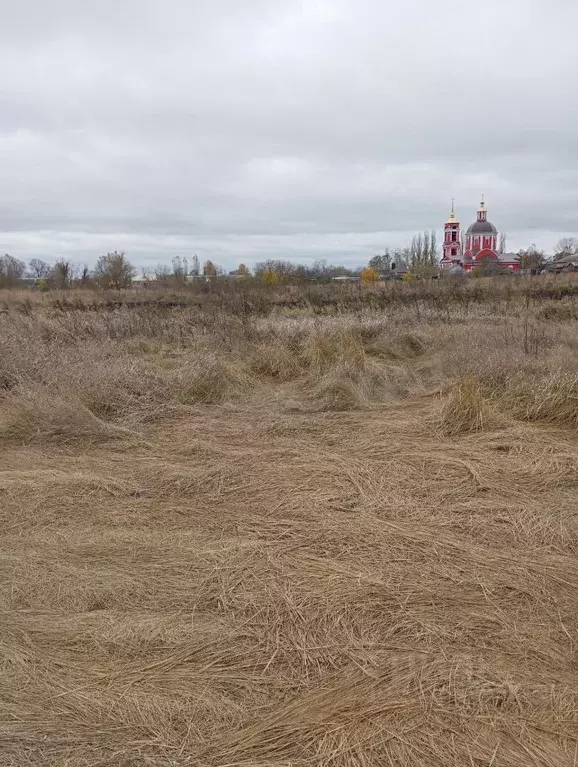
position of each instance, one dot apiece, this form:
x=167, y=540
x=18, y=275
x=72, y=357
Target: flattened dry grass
x=37, y=416
x=285, y=550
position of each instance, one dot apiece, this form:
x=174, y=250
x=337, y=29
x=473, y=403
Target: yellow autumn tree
x=270, y=277
x=209, y=269
x=369, y=275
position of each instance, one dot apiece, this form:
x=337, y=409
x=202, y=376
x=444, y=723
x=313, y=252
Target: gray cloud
x=300, y=129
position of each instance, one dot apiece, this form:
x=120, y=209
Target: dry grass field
x=293, y=537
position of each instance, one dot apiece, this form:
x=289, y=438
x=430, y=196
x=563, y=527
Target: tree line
x=114, y=271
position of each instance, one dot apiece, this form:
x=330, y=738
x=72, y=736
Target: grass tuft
x=465, y=410
x=552, y=398
x=337, y=393
x=209, y=381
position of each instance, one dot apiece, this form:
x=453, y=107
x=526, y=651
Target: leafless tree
x=381, y=262
x=39, y=269
x=163, y=274
x=532, y=258
x=433, y=248
x=423, y=254
x=61, y=274
x=84, y=276
x=567, y=246
x=11, y=270
x=180, y=268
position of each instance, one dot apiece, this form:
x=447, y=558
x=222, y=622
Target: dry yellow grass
x=304, y=546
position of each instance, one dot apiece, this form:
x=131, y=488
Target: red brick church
x=479, y=247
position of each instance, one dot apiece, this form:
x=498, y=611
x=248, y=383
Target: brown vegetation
x=269, y=529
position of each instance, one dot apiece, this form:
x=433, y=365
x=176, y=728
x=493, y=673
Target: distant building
x=27, y=282
x=399, y=268
x=564, y=265
x=479, y=247
x=346, y=278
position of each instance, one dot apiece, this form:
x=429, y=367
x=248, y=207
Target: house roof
x=564, y=264
x=571, y=258
x=511, y=258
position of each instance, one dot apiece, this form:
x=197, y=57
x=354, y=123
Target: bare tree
x=39, y=269
x=11, y=270
x=195, y=266
x=180, y=268
x=114, y=271
x=423, y=254
x=567, y=246
x=285, y=271
x=61, y=274
x=84, y=275
x=416, y=249
x=433, y=248
x=425, y=248
x=532, y=258
x=503, y=242
x=381, y=262
x=163, y=274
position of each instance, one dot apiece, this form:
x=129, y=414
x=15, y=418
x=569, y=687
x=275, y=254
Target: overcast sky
x=301, y=129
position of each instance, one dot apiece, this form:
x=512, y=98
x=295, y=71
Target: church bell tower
x=452, y=246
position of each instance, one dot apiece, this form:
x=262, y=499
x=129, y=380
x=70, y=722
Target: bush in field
x=369, y=275
x=488, y=267
x=465, y=410
x=114, y=271
x=270, y=277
